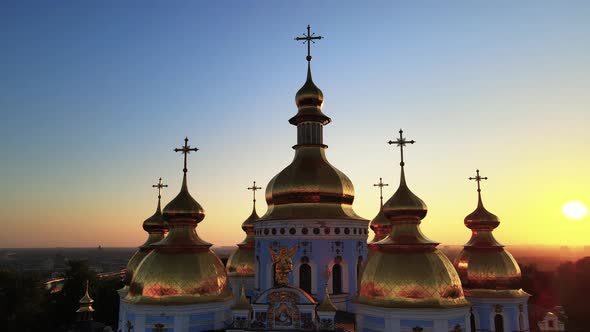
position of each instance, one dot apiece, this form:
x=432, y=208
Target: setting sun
x=574, y=210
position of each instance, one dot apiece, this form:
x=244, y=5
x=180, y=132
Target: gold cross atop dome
x=381, y=185
x=160, y=185
x=401, y=142
x=309, y=38
x=185, y=150
x=254, y=188
x=478, y=178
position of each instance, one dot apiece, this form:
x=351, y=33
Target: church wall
x=179, y=318
x=381, y=319
x=510, y=309
x=321, y=252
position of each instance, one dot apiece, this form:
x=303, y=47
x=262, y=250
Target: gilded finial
x=478, y=179
x=401, y=142
x=381, y=185
x=185, y=150
x=160, y=185
x=308, y=39
x=254, y=188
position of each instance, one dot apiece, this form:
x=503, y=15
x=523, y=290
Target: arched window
x=305, y=278
x=521, y=321
x=337, y=279
x=498, y=323
x=472, y=320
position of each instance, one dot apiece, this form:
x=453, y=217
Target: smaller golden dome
x=486, y=269
x=481, y=218
x=381, y=226
x=184, y=205
x=309, y=100
x=156, y=223
x=241, y=262
x=86, y=302
x=404, y=204
x=157, y=229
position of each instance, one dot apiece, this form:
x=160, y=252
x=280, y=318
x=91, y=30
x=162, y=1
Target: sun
x=574, y=210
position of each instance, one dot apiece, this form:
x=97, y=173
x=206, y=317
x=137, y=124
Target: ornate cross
x=160, y=185
x=401, y=142
x=478, y=178
x=254, y=188
x=381, y=185
x=309, y=38
x=186, y=149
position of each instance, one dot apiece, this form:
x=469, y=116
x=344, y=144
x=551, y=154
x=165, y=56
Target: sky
x=94, y=96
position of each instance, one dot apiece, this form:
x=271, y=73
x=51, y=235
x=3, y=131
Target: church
x=307, y=264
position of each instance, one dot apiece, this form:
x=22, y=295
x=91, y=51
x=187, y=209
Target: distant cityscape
x=51, y=263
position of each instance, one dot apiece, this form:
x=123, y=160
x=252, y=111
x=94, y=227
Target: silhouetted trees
x=25, y=305
x=568, y=286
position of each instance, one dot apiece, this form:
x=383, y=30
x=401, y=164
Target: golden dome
x=157, y=229
x=310, y=188
x=410, y=279
x=485, y=267
x=381, y=226
x=405, y=270
x=181, y=269
x=488, y=269
x=242, y=261
x=172, y=277
x=309, y=100
x=184, y=205
x=404, y=204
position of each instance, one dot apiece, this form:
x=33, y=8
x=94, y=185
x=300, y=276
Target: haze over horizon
x=95, y=96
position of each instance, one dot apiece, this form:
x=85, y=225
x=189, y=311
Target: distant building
x=552, y=321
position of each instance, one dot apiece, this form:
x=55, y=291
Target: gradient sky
x=95, y=95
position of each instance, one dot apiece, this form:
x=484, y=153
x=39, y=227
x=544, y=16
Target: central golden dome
x=310, y=187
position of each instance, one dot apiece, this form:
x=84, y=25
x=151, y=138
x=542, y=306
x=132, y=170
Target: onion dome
x=156, y=228
x=242, y=261
x=327, y=305
x=380, y=225
x=485, y=267
x=181, y=269
x=405, y=269
x=310, y=187
x=85, y=310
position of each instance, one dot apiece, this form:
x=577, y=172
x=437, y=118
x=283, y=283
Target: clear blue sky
x=95, y=95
